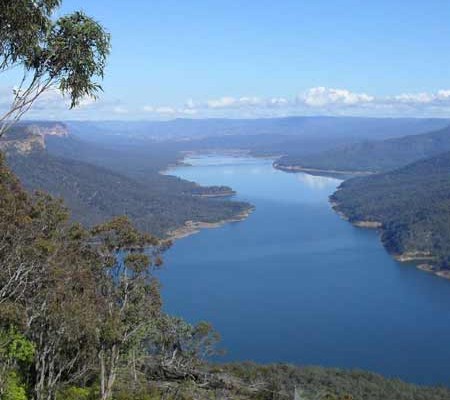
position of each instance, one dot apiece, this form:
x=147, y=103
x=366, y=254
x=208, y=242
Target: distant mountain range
x=373, y=156
x=358, y=128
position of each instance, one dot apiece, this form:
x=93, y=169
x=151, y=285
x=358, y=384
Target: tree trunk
x=108, y=373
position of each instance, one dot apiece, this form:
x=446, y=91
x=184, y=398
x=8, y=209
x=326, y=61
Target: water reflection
x=318, y=182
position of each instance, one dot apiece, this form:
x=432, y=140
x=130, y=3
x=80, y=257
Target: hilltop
x=372, y=156
x=410, y=204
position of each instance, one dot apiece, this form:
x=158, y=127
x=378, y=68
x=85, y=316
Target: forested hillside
x=412, y=204
x=374, y=156
x=156, y=203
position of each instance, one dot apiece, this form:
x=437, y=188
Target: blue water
x=295, y=283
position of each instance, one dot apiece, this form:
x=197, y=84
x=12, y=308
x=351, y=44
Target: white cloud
x=190, y=104
x=165, y=110
x=322, y=96
x=188, y=111
x=250, y=101
x=441, y=96
x=232, y=102
x=159, y=109
x=119, y=110
x=223, y=102
x=330, y=101
x=277, y=102
x=87, y=102
x=314, y=101
x=417, y=98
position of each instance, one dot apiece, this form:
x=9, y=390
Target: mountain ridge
x=374, y=156
x=410, y=205
x=94, y=193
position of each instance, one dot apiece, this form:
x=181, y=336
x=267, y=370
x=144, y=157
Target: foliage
x=68, y=53
x=74, y=393
x=317, y=382
x=78, y=306
x=412, y=203
x=14, y=388
x=14, y=346
x=180, y=347
x=16, y=354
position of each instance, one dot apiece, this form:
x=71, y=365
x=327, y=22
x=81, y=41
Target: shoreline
x=408, y=257
x=192, y=227
x=432, y=270
x=234, y=153
x=420, y=259
x=322, y=172
x=359, y=224
x=228, y=193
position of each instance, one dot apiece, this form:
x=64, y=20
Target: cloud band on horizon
x=314, y=101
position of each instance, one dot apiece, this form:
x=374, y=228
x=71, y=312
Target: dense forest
x=133, y=186
x=412, y=204
x=374, y=155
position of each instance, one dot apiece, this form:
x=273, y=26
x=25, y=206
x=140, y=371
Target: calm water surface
x=295, y=283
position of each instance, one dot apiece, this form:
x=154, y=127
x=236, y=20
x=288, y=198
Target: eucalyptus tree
x=130, y=298
x=47, y=288
x=84, y=299
x=67, y=54
x=177, y=349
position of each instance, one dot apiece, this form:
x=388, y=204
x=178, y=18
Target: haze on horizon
x=201, y=59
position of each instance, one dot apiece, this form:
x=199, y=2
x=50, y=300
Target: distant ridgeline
x=98, y=183
x=290, y=136
x=371, y=156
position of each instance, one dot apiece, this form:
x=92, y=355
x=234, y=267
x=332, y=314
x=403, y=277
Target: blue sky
x=269, y=58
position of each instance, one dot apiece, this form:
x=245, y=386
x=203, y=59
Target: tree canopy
x=68, y=53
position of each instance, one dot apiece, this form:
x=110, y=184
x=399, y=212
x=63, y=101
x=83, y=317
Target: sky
x=249, y=59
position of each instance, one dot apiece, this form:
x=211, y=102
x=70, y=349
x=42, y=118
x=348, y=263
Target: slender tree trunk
x=102, y=373
x=134, y=369
x=108, y=372
x=40, y=382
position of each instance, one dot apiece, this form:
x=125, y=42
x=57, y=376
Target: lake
x=295, y=283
